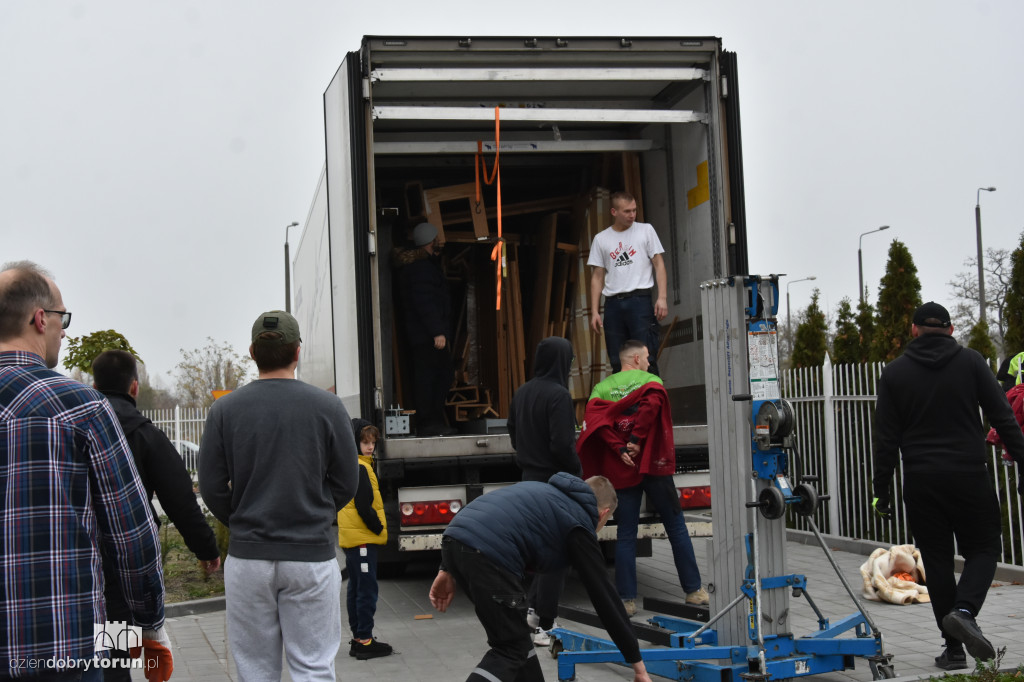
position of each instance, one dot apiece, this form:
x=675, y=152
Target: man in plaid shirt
x=68, y=484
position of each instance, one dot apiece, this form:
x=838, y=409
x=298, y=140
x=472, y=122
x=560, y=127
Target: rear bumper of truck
x=651, y=530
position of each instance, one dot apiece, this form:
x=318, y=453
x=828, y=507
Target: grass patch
x=184, y=578
x=985, y=672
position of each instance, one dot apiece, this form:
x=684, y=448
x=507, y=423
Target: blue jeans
x=630, y=318
x=362, y=589
x=663, y=495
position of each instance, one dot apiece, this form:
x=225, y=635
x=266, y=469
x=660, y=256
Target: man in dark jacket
x=541, y=419
x=490, y=544
x=161, y=470
x=428, y=322
x=542, y=428
x=927, y=410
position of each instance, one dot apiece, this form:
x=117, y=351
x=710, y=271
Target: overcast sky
x=151, y=153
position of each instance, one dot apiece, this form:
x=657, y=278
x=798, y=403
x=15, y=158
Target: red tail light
x=429, y=512
x=698, y=497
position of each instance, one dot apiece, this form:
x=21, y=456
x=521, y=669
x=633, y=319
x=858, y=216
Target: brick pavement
x=447, y=646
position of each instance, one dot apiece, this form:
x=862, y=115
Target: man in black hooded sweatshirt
x=927, y=410
x=161, y=470
x=542, y=428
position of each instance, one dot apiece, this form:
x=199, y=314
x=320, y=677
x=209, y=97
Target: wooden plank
x=545, y=257
x=521, y=208
x=516, y=313
x=633, y=181
x=559, y=285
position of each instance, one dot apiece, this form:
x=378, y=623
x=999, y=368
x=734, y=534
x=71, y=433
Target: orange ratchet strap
x=498, y=252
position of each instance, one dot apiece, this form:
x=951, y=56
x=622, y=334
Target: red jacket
x=1016, y=397
x=608, y=426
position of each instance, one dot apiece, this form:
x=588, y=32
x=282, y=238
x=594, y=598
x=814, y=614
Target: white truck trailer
x=405, y=118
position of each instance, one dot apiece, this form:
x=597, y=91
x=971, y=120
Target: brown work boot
x=698, y=597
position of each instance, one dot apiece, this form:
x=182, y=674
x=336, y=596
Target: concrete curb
x=1009, y=573
x=194, y=607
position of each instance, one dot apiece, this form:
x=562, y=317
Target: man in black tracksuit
x=927, y=410
x=492, y=542
x=161, y=470
x=542, y=428
x=541, y=419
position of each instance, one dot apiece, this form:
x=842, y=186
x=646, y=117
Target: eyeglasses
x=65, y=317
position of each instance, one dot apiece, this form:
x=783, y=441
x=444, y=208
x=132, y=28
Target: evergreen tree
x=811, y=342
x=846, y=347
x=898, y=296
x=980, y=341
x=1013, y=340
x=866, y=329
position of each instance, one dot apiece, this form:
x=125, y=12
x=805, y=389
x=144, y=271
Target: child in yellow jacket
x=362, y=528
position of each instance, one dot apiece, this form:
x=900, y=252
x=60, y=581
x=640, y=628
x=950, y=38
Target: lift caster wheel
x=881, y=667
x=556, y=647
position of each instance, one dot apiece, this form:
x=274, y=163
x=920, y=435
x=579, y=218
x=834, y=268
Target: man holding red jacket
x=627, y=437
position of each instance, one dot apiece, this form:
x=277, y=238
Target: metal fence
x=834, y=408
x=184, y=426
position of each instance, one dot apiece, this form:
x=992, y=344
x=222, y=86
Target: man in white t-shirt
x=627, y=261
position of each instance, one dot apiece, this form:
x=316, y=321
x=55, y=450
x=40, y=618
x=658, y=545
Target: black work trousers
x=944, y=506
x=500, y=602
x=432, y=377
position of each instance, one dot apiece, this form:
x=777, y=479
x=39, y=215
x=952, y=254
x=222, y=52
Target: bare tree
x=216, y=366
x=964, y=287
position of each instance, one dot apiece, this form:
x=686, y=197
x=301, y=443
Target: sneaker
x=961, y=625
x=372, y=649
x=542, y=637
x=952, y=659
x=630, y=605
x=532, y=619
x=698, y=597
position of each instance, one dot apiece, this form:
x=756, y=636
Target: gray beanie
x=423, y=234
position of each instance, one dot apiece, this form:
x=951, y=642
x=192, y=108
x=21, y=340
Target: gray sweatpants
x=291, y=604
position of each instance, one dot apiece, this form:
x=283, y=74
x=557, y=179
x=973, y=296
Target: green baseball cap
x=276, y=321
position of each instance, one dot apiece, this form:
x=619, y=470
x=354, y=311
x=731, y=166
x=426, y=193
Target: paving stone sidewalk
x=447, y=646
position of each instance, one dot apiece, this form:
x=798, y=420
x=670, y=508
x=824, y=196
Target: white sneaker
x=532, y=619
x=630, y=606
x=541, y=637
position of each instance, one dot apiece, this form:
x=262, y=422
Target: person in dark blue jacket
x=494, y=540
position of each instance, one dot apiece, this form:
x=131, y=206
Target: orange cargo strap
x=498, y=252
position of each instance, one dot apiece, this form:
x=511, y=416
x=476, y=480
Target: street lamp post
x=789, y=326
x=287, y=270
x=860, y=259
x=981, y=262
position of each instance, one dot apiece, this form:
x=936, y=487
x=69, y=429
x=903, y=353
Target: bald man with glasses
x=70, y=488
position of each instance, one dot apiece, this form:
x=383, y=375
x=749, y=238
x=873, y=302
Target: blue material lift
x=696, y=653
